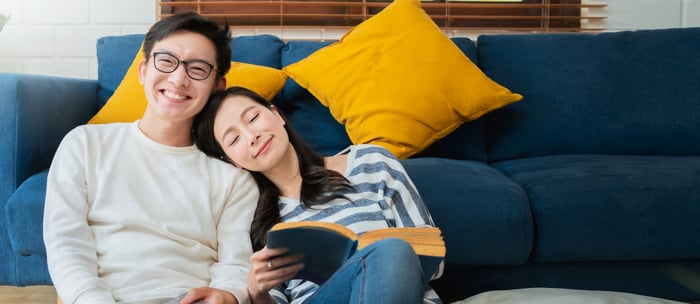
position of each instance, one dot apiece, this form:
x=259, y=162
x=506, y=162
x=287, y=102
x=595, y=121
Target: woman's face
x=252, y=135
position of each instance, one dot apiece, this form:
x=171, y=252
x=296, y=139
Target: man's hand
x=208, y=295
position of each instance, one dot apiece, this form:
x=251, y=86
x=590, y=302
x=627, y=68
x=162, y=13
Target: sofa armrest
x=35, y=113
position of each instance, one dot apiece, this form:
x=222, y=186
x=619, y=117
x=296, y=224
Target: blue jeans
x=387, y=271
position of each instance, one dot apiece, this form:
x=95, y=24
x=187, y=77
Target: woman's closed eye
x=254, y=118
x=234, y=140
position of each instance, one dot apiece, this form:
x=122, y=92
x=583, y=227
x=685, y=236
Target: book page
x=342, y=230
x=424, y=240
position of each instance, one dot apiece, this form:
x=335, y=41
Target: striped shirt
x=385, y=197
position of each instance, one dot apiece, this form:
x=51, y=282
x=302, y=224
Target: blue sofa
x=592, y=181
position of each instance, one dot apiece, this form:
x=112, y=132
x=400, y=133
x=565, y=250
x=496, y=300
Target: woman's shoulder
x=371, y=150
x=338, y=162
x=356, y=155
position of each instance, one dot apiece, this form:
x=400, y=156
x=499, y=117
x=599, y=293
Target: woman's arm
x=400, y=192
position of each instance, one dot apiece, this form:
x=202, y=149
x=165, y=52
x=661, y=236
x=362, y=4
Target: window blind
x=473, y=15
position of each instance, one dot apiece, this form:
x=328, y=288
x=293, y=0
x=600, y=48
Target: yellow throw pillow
x=265, y=81
x=396, y=80
x=129, y=100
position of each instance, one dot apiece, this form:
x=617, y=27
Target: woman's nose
x=252, y=136
x=254, y=139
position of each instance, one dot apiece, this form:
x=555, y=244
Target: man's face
x=176, y=96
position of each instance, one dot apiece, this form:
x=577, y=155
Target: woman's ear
x=277, y=113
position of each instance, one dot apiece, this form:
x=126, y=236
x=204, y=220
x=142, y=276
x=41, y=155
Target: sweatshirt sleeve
x=231, y=271
x=70, y=250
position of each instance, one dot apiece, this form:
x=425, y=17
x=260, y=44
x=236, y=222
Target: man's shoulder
x=224, y=167
x=102, y=128
x=86, y=133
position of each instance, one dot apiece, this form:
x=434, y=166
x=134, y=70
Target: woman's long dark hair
x=319, y=185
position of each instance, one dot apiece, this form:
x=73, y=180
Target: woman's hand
x=269, y=268
x=210, y=295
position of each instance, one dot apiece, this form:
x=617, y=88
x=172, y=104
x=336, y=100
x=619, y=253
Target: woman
x=363, y=188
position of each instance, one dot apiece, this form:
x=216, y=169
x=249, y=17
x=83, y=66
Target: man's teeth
x=174, y=95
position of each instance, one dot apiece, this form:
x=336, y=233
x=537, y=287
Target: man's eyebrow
x=178, y=58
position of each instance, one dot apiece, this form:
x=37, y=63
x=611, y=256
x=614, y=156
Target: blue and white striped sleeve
x=399, y=190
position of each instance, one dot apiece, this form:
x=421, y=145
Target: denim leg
x=387, y=271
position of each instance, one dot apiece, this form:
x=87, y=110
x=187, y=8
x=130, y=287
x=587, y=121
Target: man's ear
x=142, y=67
x=220, y=84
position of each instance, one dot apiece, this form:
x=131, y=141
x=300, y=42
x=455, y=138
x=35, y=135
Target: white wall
x=58, y=38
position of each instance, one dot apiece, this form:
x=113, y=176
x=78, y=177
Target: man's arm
x=70, y=250
x=231, y=271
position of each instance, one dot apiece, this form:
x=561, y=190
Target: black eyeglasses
x=195, y=69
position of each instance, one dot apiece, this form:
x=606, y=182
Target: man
x=135, y=213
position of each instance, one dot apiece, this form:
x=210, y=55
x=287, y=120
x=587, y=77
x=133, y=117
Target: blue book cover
x=326, y=246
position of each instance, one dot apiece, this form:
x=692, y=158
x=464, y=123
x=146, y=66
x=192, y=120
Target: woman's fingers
x=283, y=260
x=270, y=267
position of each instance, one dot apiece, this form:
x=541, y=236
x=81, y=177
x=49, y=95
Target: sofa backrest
x=114, y=56
x=309, y=117
x=633, y=92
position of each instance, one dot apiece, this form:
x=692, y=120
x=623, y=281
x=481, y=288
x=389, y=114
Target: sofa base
x=673, y=280
x=32, y=270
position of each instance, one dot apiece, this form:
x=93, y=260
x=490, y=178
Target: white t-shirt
x=129, y=220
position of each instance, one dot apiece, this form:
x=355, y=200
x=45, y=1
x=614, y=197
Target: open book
x=326, y=245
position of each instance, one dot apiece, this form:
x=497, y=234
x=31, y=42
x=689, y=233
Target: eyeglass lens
x=195, y=69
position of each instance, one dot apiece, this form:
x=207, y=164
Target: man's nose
x=179, y=76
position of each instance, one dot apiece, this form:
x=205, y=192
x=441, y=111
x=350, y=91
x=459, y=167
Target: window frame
x=471, y=15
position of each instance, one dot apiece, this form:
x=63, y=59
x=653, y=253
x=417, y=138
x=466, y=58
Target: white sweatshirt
x=129, y=220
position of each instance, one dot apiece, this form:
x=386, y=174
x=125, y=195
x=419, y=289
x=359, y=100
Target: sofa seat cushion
x=602, y=207
x=484, y=216
x=32, y=270
x=627, y=93
x=24, y=214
